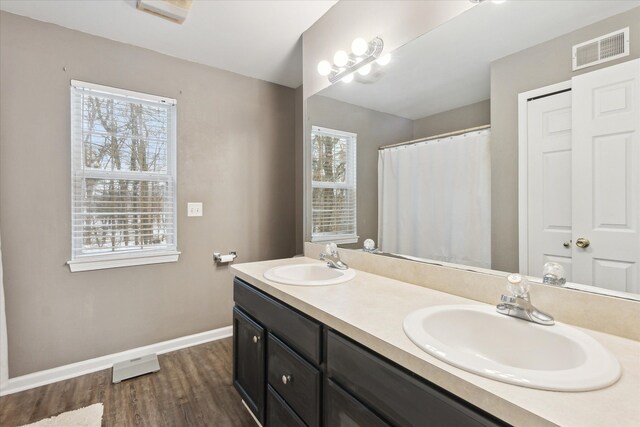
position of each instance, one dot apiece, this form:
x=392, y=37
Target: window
x=333, y=186
x=123, y=178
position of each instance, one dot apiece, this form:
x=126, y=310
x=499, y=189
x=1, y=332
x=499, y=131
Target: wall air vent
x=173, y=10
x=602, y=49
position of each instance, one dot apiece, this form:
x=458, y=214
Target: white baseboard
x=40, y=378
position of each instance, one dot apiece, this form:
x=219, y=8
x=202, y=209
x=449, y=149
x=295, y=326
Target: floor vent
x=135, y=367
x=602, y=49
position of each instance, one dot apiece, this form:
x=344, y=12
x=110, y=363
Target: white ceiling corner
x=259, y=39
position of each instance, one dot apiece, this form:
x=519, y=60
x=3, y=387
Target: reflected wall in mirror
x=505, y=156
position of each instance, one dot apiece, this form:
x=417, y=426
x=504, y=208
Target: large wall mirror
x=488, y=144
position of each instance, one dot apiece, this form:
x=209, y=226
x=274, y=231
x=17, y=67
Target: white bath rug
x=89, y=416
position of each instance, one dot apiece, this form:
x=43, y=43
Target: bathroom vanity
x=313, y=374
x=337, y=356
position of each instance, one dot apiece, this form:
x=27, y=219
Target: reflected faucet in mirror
x=553, y=274
x=369, y=246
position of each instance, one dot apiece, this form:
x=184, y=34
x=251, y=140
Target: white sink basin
x=309, y=275
x=479, y=340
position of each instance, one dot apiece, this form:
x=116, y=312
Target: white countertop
x=370, y=309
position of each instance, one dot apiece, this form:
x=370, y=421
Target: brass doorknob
x=582, y=243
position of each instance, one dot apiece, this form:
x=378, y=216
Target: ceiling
x=449, y=67
x=259, y=39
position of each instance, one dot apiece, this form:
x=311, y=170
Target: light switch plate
x=194, y=209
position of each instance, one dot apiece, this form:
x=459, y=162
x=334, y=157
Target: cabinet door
x=249, y=362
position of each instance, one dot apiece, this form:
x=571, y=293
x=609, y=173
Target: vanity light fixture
x=347, y=79
x=365, y=70
x=359, y=46
x=384, y=59
x=341, y=58
x=360, y=58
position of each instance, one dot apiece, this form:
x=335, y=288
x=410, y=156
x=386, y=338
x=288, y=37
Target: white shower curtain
x=434, y=199
x=4, y=361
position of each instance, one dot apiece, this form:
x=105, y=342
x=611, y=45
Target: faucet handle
x=518, y=285
x=553, y=274
x=331, y=248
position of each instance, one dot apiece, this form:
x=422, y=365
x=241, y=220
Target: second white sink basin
x=309, y=275
x=479, y=340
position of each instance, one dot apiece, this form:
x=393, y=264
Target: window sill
x=338, y=240
x=123, y=260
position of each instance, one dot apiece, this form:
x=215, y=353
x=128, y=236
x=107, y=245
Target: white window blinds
x=333, y=185
x=123, y=173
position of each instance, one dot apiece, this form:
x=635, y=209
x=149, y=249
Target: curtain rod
x=443, y=135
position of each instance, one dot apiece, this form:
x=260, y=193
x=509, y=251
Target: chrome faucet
x=553, y=274
x=518, y=304
x=332, y=257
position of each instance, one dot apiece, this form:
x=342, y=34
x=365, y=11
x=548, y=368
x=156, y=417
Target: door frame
x=523, y=167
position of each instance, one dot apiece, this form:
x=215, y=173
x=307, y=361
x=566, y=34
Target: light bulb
x=340, y=58
x=359, y=46
x=348, y=78
x=366, y=69
x=384, y=59
x=324, y=68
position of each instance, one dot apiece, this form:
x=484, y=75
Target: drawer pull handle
x=286, y=379
x=256, y=338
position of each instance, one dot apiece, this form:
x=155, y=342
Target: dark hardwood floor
x=193, y=388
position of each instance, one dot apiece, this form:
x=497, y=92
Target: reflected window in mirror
x=333, y=185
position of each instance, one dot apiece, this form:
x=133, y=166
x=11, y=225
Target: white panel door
x=549, y=181
x=606, y=177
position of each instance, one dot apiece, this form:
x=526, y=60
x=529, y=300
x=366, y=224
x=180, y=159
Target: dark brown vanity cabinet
x=288, y=373
x=292, y=371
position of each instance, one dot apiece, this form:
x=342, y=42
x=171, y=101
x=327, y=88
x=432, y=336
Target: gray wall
x=539, y=66
x=235, y=154
x=374, y=129
x=478, y=114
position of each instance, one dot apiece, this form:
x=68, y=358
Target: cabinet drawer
x=297, y=381
x=279, y=414
x=392, y=392
x=296, y=330
x=343, y=410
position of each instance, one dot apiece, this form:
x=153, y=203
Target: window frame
x=123, y=258
x=352, y=181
